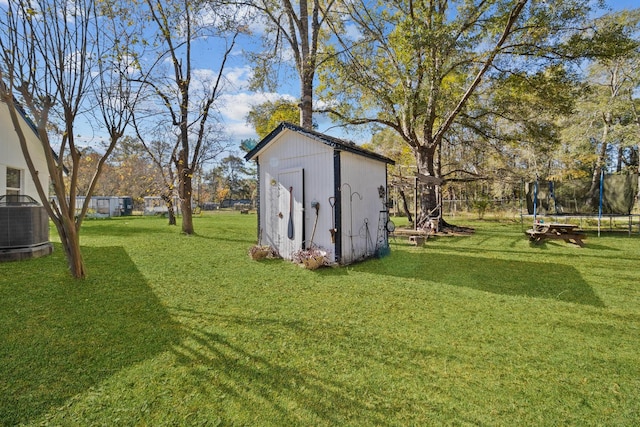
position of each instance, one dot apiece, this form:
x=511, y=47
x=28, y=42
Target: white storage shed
x=317, y=190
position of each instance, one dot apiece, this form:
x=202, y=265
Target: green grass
x=176, y=330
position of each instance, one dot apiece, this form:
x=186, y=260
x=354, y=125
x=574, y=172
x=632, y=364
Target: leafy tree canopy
x=267, y=116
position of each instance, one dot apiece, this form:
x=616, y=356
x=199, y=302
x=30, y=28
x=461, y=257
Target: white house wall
x=361, y=205
x=11, y=155
x=291, y=151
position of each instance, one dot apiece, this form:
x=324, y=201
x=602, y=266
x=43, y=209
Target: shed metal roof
x=336, y=143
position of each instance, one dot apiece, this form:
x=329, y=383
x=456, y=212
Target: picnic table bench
x=568, y=232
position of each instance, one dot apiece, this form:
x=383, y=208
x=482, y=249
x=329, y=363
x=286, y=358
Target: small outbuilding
x=107, y=206
x=315, y=190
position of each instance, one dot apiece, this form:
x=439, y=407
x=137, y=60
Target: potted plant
x=258, y=252
x=311, y=258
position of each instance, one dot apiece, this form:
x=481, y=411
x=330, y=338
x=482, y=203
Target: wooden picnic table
x=570, y=233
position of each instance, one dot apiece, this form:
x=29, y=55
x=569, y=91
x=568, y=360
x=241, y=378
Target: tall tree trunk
x=185, y=189
x=70, y=239
x=168, y=200
x=425, y=156
x=426, y=162
x=619, y=162
x=306, y=100
x=306, y=63
x=405, y=205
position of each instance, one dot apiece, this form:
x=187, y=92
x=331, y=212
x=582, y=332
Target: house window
x=14, y=181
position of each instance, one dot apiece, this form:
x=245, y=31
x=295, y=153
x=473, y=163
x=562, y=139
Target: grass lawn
x=176, y=330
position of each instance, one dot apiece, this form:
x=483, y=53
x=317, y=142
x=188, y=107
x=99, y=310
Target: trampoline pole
x=601, y=196
x=535, y=200
x=415, y=203
x=522, y=189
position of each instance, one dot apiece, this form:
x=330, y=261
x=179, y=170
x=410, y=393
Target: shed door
x=289, y=225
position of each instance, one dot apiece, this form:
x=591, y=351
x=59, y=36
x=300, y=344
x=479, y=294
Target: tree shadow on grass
x=249, y=373
x=505, y=277
x=61, y=336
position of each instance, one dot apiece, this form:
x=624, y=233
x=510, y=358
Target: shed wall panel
x=291, y=151
x=361, y=205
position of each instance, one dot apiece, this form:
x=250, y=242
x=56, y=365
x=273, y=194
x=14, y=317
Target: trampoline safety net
x=577, y=197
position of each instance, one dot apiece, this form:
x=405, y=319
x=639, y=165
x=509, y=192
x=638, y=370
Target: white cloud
x=238, y=77
x=353, y=32
x=260, y=26
x=203, y=76
x=235, y=107
x=219, y=15
x=322, y=104
x=73, y=61
x=235, y=78
x=73, y=10
x=239, y=131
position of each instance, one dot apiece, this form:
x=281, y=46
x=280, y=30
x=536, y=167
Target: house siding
x=11, y=155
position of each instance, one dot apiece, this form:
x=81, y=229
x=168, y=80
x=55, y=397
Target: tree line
x=130, y=171
x=462, y=90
